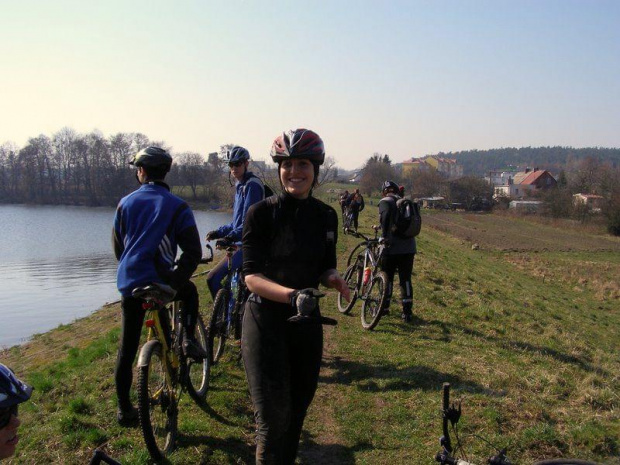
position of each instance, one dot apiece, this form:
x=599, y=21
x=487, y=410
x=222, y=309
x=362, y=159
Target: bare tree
x=192, y=169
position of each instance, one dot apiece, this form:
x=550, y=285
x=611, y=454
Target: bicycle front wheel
x=351, y=277
x=198, y=372
x=218, y=327
x=356, y=252
x=157, y=402
x=374, y=300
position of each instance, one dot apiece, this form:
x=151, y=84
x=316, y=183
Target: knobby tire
x=357, y=251
x=157, y=407
x=351, y=277
x=199, y=373
x=373, y=301
x=217, y=326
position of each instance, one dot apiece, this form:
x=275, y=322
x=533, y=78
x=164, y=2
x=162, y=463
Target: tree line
x=91, y=169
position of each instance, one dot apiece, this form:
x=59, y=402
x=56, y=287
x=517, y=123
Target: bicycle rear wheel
x=157, y=402
x=198, y=372
x=351, y=277
x=218, y=327
x=373, y=300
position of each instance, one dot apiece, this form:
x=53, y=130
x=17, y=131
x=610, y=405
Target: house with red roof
x=524, y=183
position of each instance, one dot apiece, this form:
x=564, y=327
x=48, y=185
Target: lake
x=58, y=265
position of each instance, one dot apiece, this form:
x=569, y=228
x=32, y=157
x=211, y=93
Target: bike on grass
x=446, y=456
x=164, y=372
x=227, y=315
x=365, y=280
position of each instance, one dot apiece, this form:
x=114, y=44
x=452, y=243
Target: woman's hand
x=333, y=280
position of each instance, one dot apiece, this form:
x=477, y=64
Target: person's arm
x=254, y=192
x=117, y=241
x=362, y=204
x=385, y=217
x=332, y=280
x=188, y=240
x=259, y=284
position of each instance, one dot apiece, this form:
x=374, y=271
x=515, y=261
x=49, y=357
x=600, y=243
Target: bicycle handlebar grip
x=446, y=396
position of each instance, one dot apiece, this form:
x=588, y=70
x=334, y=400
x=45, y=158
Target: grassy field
x=527, y=335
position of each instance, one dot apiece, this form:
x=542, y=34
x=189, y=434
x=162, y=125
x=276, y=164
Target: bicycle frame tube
x=156, y=331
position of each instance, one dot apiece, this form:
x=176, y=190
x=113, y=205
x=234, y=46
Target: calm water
x=58, y=265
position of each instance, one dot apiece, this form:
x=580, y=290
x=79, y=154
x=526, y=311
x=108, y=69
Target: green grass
x=534, y=359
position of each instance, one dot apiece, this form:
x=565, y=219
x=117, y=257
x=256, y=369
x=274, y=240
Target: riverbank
x=533, y=355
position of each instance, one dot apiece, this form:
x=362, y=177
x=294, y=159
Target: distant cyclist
x=13, y=392
x=150, y=224
x=249, y=189
x=356, y=205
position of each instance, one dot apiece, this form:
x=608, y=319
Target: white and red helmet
x=298, y=143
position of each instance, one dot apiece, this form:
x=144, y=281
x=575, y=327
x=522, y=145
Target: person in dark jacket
x=289, y=248
x=149, y=225
x=399, y=251
x=356, y=205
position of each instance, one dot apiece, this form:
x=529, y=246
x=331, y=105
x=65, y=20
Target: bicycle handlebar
x=208, y=259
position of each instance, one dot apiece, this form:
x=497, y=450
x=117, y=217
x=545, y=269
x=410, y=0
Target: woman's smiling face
x=297, y=176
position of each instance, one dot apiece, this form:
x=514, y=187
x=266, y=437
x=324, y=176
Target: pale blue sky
x=405, y=78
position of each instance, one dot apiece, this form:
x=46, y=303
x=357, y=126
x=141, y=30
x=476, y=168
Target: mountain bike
x=164, y=372
x=227, y=315
x=366, y=281
x=451, y=414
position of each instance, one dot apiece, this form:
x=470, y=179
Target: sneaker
x=407, y=317
x=192, y=349
x=127, y=418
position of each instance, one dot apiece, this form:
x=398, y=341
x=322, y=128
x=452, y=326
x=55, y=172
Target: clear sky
x=406, y=78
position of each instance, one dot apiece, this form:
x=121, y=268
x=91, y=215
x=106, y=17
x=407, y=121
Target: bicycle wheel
x=198, y=372
x=373, y=300
x=351, y=277
x=157, y=402
x=357, y=251
x=217, y=326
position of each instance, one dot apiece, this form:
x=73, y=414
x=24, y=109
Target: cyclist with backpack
x=398, y=232
x=13, y=392
x=289, y=248
x=150, y=225
x=249, y=189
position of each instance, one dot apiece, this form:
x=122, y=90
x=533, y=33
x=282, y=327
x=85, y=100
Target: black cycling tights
x=131, y=328
x=282, y=362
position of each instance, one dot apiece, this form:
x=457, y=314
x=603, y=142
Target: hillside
x=528, y=337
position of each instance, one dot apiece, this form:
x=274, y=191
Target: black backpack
x=268, y=190
x=407, y=219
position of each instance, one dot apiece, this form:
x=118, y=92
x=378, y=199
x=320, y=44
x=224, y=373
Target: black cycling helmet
x=12, y=390
x=152, y=157
x=236, y=154
x=390, y=185
x=298, y=143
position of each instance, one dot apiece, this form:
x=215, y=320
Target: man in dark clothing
x=356, y=204
x=149, y=225
x=399, y=251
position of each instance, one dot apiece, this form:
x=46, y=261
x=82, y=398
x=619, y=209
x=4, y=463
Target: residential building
x=447, y=166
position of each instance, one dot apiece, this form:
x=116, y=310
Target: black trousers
x=131, y=328
x=282, y=362
x=404, y=264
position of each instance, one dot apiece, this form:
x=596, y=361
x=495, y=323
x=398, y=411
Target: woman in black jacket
x=289, y=248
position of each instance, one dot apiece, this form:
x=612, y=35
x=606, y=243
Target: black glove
x=306, y=301
x=211, y=235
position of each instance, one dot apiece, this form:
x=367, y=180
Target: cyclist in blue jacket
x=249, y=189
x=150, y=224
